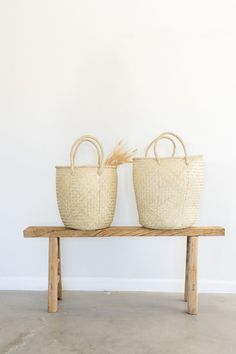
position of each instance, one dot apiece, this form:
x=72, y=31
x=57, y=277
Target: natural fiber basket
x=86, y=195
x=168, y=189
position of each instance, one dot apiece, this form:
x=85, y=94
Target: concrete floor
x=116, y=323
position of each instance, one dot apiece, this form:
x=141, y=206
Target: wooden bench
x=55, y=233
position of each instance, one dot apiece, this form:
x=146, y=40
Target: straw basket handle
x=95, y=143
x=167, y=134
x=163, y=137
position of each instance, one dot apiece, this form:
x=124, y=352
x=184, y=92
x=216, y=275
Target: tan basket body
x=168, y=193
x=86, y=201
x=86, y=195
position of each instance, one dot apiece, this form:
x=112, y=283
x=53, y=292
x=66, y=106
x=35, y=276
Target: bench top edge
x=121, y=231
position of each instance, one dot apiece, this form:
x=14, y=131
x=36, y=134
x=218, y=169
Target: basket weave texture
x=86, y=195
x=168, y=189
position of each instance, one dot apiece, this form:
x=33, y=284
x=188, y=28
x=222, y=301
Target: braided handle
x=95, y=143
x=164, y=137
x=166, y=134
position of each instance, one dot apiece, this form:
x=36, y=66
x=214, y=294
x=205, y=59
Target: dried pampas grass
x=120, y=155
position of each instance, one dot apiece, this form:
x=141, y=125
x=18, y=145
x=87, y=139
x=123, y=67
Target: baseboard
x=116, y=284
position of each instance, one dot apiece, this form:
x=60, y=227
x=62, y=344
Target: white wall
x=115, y=69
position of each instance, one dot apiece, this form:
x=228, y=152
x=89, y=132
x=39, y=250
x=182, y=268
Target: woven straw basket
x=168, y=189
x=86, y=195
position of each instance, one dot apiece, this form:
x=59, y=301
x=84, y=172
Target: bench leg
x=59, y=290
x=53, y=275
x=186, y=269
x=192, y=295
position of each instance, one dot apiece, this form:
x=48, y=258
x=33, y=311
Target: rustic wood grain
x=59, y=290
x=192, y=276
x=53, y=275
x=186, y=269
x=121, y=231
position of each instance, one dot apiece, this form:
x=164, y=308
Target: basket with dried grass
x=86, y=195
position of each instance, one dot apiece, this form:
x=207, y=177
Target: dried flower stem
x=120, y=155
